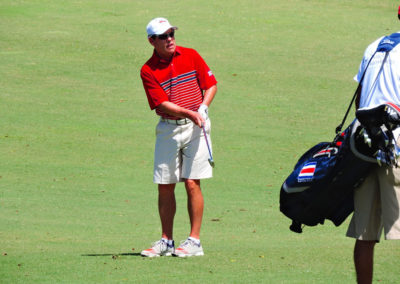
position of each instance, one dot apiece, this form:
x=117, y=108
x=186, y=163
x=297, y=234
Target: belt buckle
x=182, y=121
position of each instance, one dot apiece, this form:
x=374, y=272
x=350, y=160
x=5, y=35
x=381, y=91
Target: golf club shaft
x=208, y=145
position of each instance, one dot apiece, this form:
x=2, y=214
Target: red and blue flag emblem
x=307, y=172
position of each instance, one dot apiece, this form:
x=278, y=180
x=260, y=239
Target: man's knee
x=192, y=183
x=166, y=189
x=365, y=244
x=361, y=247
x=192, y=186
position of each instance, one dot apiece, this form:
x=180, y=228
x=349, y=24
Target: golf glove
x=203, y=110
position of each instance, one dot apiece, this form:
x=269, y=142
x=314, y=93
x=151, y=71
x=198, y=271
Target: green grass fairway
x=77, y=202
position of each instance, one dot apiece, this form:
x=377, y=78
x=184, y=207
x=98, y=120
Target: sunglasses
x=165, y=36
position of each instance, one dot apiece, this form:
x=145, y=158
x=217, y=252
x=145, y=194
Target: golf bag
x=322, y=183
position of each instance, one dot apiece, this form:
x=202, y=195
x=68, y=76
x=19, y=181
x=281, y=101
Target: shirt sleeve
x=155, y=94
x=204, y=75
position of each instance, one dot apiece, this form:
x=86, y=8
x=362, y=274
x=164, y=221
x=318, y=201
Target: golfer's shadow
x=113, y=254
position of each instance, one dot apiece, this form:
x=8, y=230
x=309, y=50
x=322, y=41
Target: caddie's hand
x=203, y=110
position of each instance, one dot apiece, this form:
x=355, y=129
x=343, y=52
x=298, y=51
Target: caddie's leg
x=195, y=206
x=364, y=261
x=167, y=209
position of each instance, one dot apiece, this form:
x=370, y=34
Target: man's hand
x=174, y=110
x=197, y=119
x=203, y=110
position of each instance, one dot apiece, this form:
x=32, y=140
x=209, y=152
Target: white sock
x=169, y=242
x=196, y=241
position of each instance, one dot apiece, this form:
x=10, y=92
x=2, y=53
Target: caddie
x=377, y=200
x=180, y=88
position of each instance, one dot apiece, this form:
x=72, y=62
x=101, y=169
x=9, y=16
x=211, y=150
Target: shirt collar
x=158, y=60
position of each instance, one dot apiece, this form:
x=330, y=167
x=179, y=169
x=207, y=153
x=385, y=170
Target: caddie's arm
x=175, y=110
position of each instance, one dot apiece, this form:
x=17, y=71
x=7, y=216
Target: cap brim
x=172, y=27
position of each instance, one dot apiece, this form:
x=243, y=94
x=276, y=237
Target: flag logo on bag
x=307, y=172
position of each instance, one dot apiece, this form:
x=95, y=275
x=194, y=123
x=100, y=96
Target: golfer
x=377, y=200
x=180, y=87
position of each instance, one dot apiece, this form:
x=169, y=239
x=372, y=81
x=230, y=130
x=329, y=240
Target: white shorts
x=181, y=153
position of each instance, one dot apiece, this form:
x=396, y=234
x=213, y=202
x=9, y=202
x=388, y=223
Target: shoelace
x=188, y=242
x=159, y=244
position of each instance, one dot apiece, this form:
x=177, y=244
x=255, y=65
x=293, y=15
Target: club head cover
x=398, y=13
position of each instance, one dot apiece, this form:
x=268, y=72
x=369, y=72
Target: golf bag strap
x=358, y=91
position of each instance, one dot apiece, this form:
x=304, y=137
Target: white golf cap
x=158, y=26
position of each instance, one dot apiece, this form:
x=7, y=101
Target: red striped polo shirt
x=181, y=80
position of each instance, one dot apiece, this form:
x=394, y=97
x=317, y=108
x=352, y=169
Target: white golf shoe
x=189, y=248
x=159, y=248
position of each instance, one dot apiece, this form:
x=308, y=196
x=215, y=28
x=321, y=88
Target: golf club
x=210, y=160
